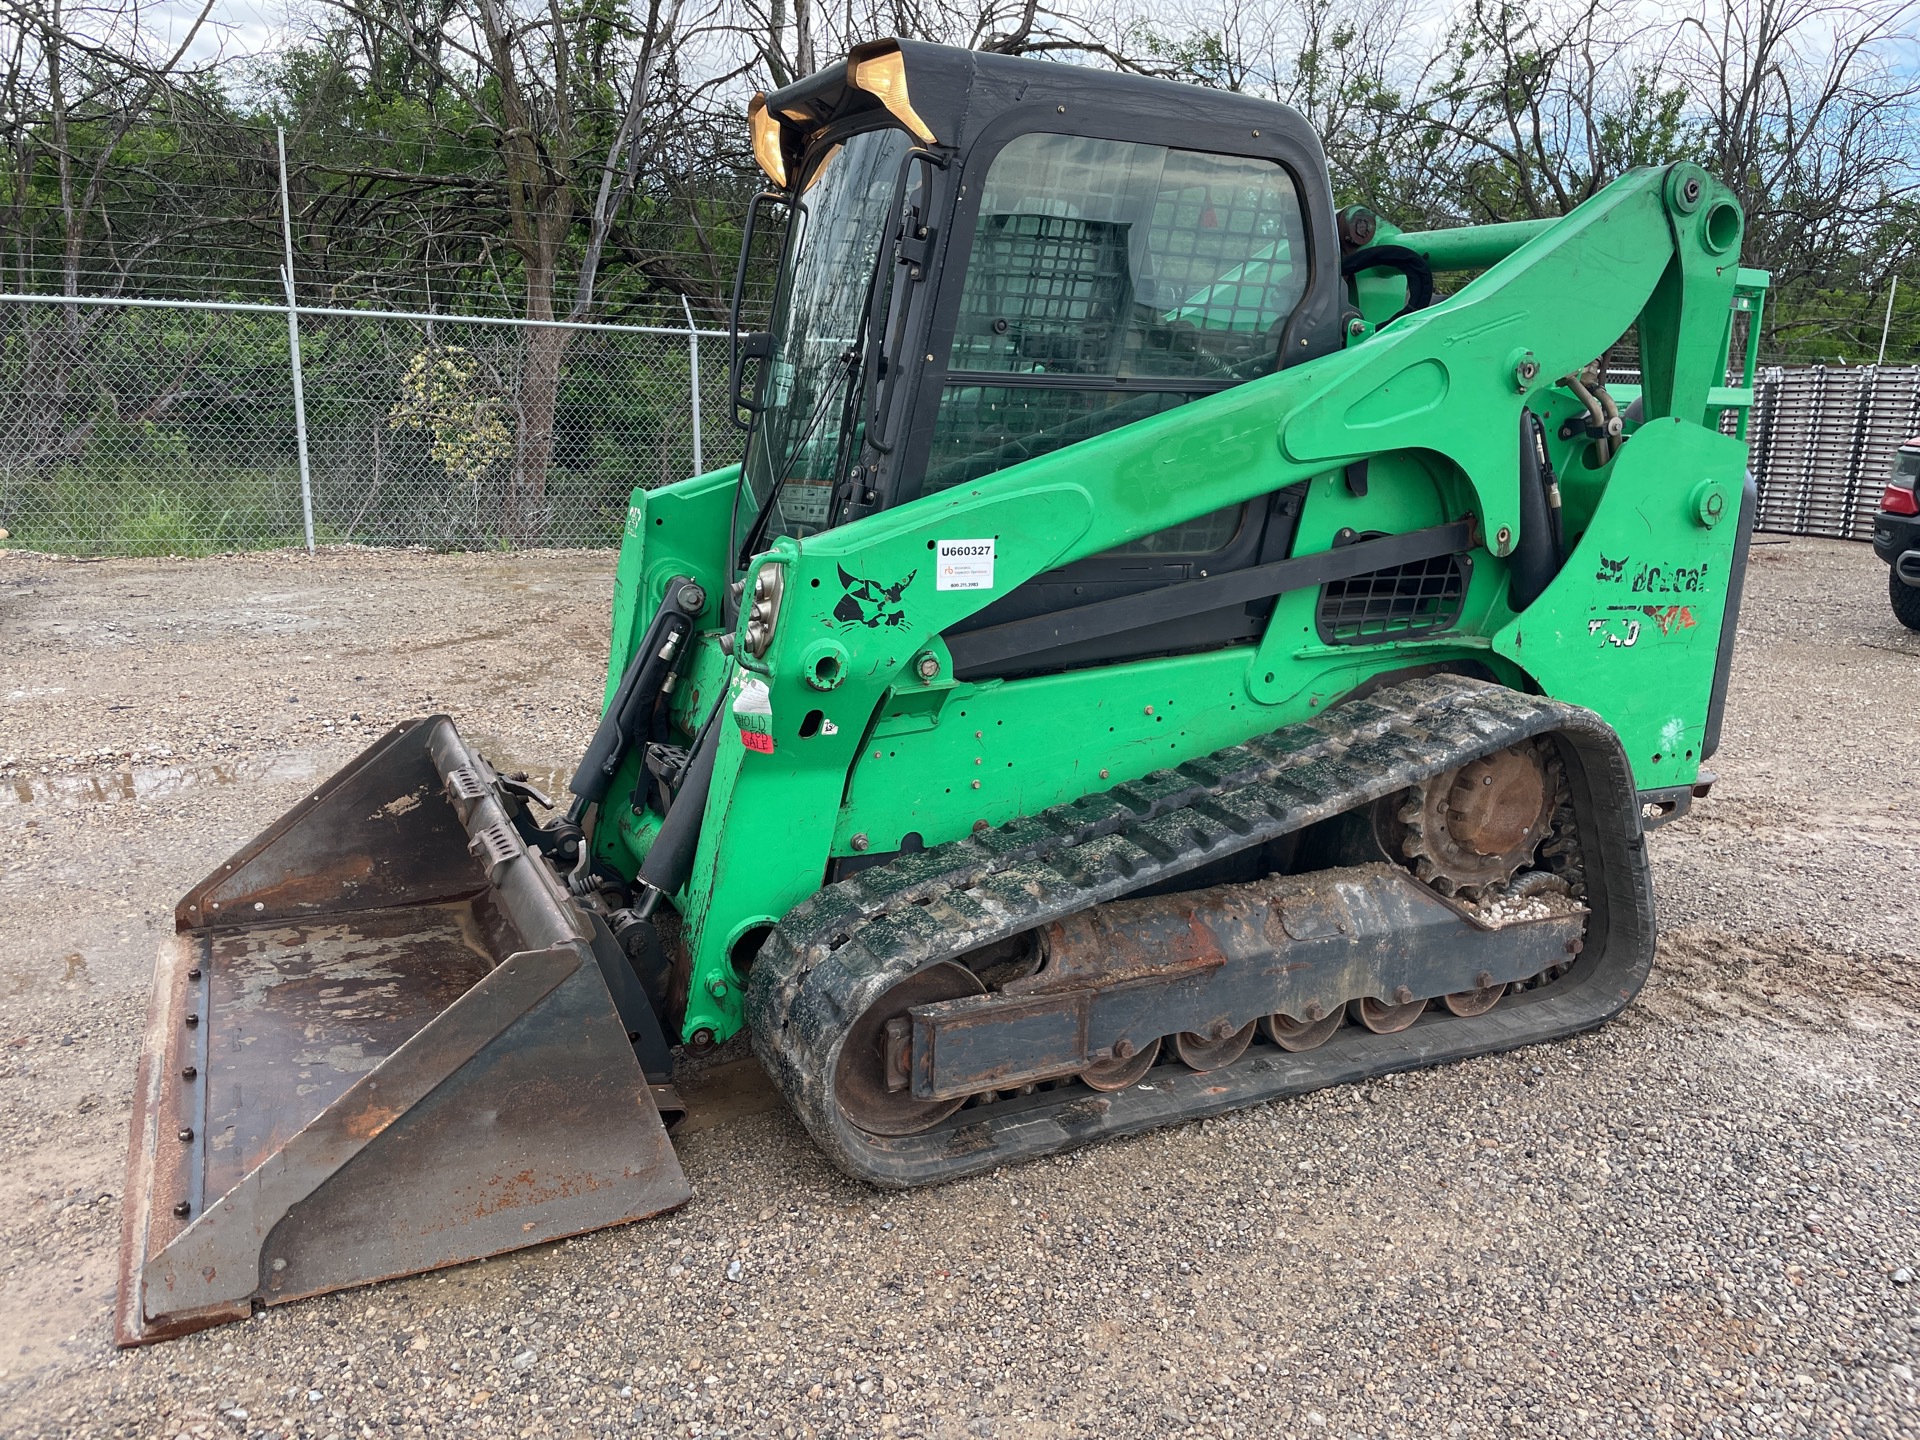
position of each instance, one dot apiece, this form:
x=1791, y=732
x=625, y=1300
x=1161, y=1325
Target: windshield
x=1120, y=260
x=814, y=371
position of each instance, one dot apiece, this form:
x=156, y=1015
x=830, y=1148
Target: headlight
x=767, y=584
x=764, y=126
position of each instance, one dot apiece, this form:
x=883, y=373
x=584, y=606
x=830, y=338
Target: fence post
x=293, y=342
x=1887, y=324
x=693, y=357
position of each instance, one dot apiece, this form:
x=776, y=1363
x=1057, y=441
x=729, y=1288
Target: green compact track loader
x=1171, y=644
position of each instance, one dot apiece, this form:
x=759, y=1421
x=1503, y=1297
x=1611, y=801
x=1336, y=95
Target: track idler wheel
x=1214, y=1050
x=1122, y=1070
x=1387, y=1017
x=869, y=1080
x=1309, y=1034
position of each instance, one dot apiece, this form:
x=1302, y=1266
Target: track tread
x=838, y=951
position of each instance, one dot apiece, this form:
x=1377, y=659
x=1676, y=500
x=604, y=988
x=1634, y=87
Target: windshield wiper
x=851, y=362
x=833, y=386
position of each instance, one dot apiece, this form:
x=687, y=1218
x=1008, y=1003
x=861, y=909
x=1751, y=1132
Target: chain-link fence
x=162, y=428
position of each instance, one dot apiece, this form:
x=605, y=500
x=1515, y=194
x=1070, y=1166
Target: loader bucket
x=382, y=1040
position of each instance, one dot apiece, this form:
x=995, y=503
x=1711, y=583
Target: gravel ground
x=1702, y=1221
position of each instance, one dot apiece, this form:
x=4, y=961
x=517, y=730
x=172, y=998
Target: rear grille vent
x=1422, y=597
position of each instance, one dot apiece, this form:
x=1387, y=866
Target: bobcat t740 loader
x=1171, y=644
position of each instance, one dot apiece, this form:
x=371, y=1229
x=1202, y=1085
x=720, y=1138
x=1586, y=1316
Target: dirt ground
x=1702, y=1220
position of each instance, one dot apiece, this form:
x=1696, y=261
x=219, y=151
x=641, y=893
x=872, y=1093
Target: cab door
x=1106, y=281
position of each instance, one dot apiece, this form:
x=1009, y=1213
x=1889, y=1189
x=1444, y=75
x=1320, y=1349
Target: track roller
x=1213, y=1051
x=1122, y=1070
x=1309, y=1034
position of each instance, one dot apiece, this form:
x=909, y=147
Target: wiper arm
x=852, y=360
x=751, y=544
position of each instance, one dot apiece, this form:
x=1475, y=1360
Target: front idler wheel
x=870, y=1080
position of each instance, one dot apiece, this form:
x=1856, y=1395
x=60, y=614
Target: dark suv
x=1896, y=535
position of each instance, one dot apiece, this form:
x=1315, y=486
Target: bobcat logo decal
x=869, y=603
x=1611, y=572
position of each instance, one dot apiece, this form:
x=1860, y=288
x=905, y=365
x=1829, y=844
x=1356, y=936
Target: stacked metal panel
x=1890, y=418
x=1823, y=442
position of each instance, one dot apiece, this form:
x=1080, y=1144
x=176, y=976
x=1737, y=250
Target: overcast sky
x=240, y=29
x=236, y=27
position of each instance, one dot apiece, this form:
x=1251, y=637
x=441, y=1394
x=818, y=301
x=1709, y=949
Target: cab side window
x=1110, y=281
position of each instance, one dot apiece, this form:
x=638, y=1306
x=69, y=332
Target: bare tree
x=773, y=43
x=1809, y=112
x=569, y=100
x=78, y=80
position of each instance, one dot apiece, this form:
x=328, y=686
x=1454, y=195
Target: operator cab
x=986, y=259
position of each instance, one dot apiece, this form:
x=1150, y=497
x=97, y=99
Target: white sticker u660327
x=963, y=564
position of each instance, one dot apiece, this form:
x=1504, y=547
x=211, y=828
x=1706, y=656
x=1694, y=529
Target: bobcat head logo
x=869, y=603
x=1611, y=571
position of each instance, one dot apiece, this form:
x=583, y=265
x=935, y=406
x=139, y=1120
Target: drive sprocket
x=1469, y=831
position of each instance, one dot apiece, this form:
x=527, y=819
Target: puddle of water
x=148, y=782
x=549, y=780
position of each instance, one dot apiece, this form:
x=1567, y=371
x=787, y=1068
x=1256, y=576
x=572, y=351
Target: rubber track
x=838, y=952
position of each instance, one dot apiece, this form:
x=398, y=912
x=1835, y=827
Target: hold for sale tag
x=963, y=564
x=753, y=713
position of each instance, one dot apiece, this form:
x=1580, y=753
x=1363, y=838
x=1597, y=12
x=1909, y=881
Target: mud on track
x=1694, y=1221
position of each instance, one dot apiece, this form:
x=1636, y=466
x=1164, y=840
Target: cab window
x=1109, y=281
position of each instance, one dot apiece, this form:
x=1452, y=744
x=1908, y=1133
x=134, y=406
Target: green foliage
x=440, y=395
x=150, y=498
x=404, y=180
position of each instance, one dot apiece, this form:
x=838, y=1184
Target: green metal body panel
x=675, y=530
x=870, y=756
x=1631, y=625
x=991, y=752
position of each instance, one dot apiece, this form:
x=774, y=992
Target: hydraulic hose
x=1596, y=415
x=670, y=859
x=625, y=719
x=1534, y=561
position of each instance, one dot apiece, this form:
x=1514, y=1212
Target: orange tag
x=756, y=742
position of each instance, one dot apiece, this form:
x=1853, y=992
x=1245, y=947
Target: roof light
x=767, y=148
x=884, y=76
